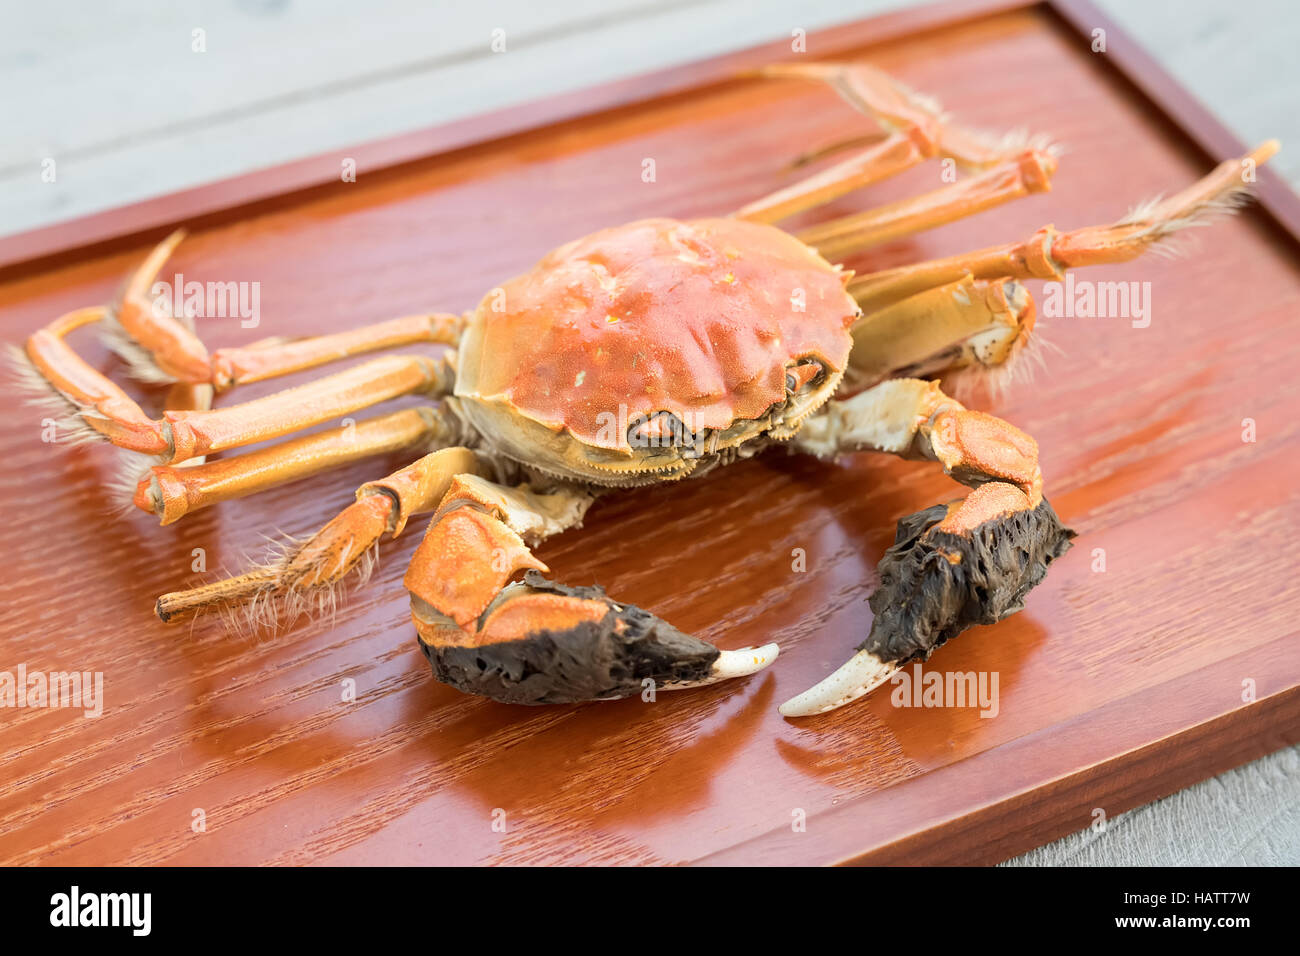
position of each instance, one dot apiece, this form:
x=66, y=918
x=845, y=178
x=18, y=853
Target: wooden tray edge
x=1184, y=111
x=287, y=183
x=1052, y=805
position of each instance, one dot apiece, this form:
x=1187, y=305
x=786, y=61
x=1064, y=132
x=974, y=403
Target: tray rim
x=1186, y=752
x=1123, y=779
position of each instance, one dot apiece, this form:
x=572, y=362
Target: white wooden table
x=132, y=99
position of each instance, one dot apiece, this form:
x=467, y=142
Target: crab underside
x=649, y=352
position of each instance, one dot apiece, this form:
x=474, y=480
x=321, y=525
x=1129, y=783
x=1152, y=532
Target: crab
x=650, y=352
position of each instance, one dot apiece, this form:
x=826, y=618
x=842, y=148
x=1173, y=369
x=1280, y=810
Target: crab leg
x=963, y=323
x=951, y=566
x=913, y=418
x=535, y=641
x=875, y=93
x=825, y=151
x=916, y=131
x=1029, y=173
x=184, y=396
x=47, y=358
x=202, y=432
x=1048, y=253
x=173, y=491
x=305, y=578
x=152, y=336
x=890, y=156
x=191, y=432
x=161, y=347
x=255, y=363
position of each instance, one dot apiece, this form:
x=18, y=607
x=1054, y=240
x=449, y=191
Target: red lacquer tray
x=1116, y=687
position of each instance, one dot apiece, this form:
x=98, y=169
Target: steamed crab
x=648, y=352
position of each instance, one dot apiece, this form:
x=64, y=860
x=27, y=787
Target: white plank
x=115, y=95
x=298, y=88
x=1238, y=58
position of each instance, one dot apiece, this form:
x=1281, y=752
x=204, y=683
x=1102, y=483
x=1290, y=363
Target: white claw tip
x=863, y=673
x=743, y=662
x=738, y=663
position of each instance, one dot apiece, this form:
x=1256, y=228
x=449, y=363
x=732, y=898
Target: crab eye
x=807, y=371
x=660, y=430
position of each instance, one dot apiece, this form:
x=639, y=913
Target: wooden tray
x=1115, y=687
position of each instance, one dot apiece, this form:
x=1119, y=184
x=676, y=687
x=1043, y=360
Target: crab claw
x=538, y=642
x=544, y=643
x=951, y=567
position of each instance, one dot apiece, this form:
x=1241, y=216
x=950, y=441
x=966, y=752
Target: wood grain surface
x=1115, y=687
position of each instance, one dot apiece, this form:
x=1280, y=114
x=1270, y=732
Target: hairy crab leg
x=160, y=347
x=304, y=579
x=535, y=641
x=173, y=491
x=187, y=433
x=48, y=361
x=916, y=131
x=951, y=566
x=876, y=94
x=964, y=323
x=156, y=339
x=1031, y=172
x=1047, y=254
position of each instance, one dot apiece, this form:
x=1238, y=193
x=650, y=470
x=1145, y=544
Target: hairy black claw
x=935, y=584
x=617, y=655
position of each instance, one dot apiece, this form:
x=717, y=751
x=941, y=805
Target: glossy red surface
x=1123, y=680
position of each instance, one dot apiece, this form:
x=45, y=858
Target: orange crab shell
x=697, y=318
